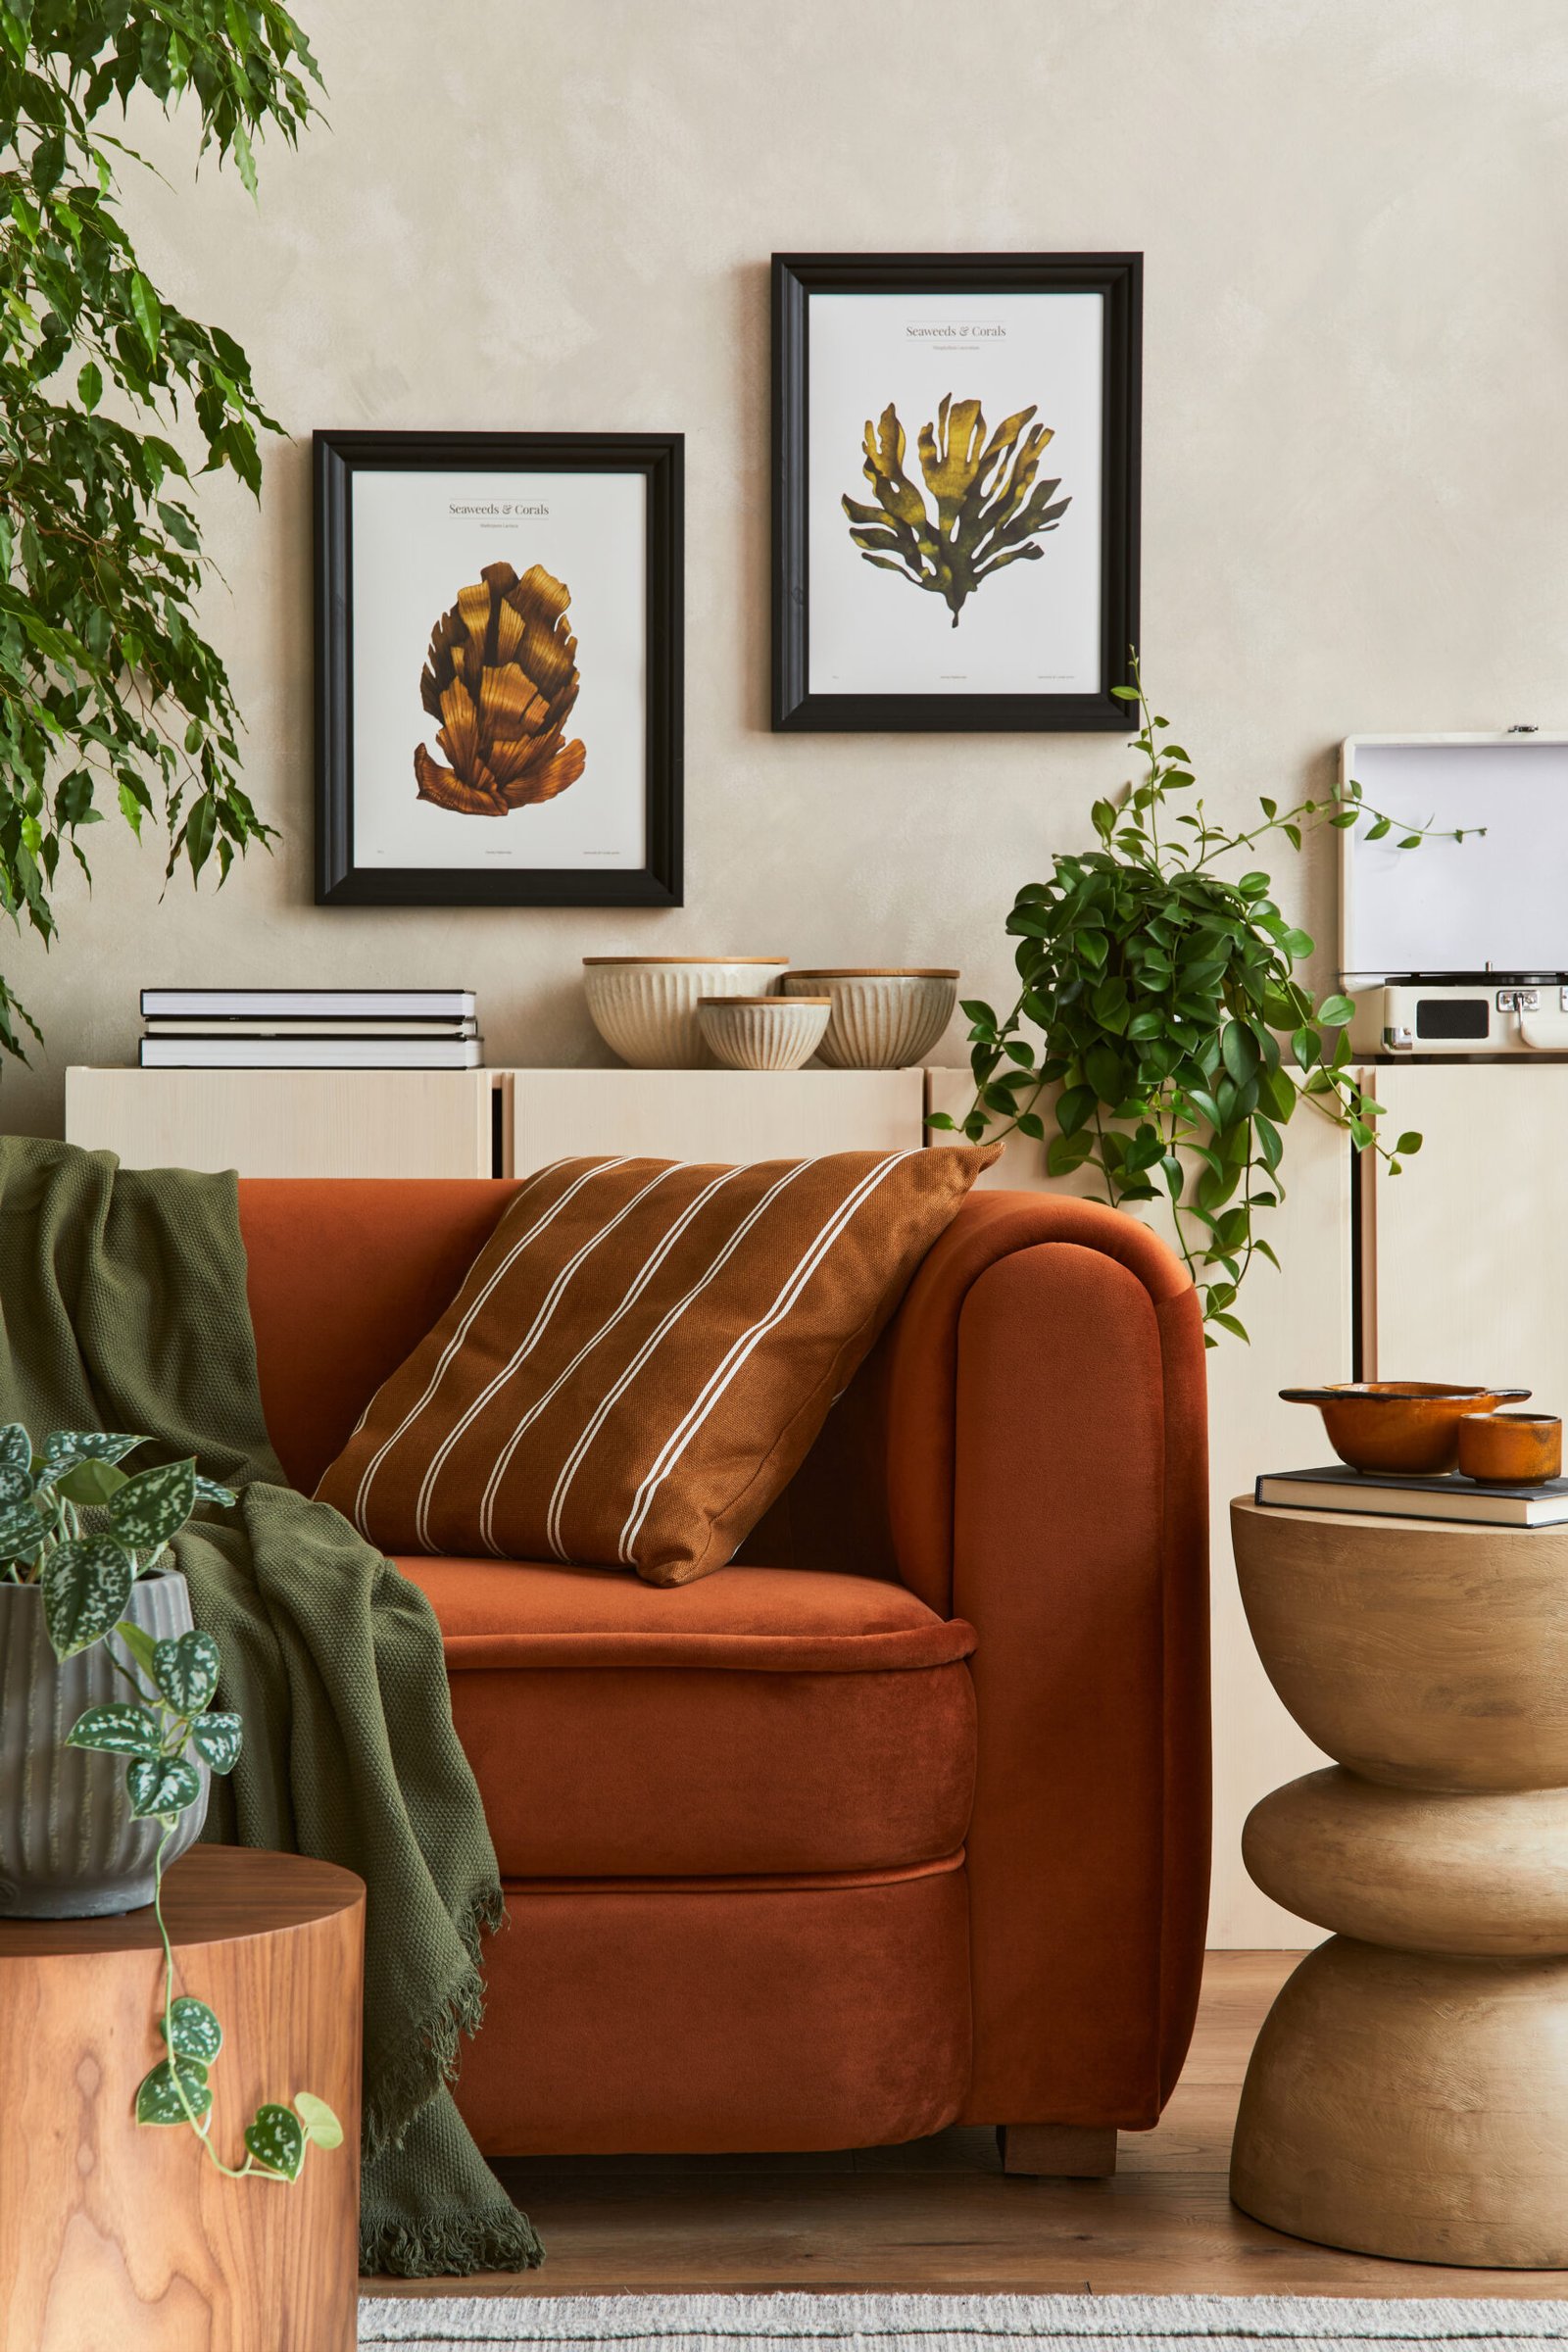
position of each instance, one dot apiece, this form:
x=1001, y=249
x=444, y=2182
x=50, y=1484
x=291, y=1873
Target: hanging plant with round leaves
x=1161, y=1020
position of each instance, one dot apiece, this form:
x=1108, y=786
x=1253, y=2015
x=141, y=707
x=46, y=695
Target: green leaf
x=86, y=1584
x=276, y=2140
x=162, y=1785
x=185, y=1668
x=158, y=2101
x=1228, y=1323
x=1065, y=1152
x=217, y=1739
x=1239, y=1052
x=89, y=385
x=1335, y=1011
x=322, y=2126
x=1075, y=1106
x=208, y=1489
x=21, y=1531
x=91, y=1482
x=124, y=1730
x=1408, y=1142
x=150, y=1509
x=196, y=2032
x=67, y=1446
x=15, y=1450
x=140, y=1643
x=147, y=311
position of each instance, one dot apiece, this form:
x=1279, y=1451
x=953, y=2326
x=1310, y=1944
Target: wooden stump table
x=1408, y=2093
x=122, y=2238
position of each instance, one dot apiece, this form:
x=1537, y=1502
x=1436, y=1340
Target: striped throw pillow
x=640, y=1358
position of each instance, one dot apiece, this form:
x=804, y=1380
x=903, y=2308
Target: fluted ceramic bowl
x=881, y=1020
x=647, y=1007
x=765, y=1033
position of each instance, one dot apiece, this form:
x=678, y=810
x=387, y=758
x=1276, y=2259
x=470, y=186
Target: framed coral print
x=955, y=470
x=498, y=670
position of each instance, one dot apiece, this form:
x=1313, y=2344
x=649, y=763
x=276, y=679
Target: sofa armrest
x=1047, y=1483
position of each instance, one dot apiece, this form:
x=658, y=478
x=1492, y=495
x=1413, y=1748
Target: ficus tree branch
x=111, y=699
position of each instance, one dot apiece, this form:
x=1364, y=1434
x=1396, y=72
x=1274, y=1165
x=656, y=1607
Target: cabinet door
x=286, y=1123
x=712, y=1114
x=1462, y=1254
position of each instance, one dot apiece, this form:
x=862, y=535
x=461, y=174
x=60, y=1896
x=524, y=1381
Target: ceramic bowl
x=646, y=1008
x=765, y=1033
x=1510, y=1449
x=881, y=1020
x=1401, y=1425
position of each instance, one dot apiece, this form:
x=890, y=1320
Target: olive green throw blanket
x=123, y=1306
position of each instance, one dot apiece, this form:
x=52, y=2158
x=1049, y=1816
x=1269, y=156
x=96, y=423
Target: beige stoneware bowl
x=647, y=1007
x=765, y=1033
x=881, y=1019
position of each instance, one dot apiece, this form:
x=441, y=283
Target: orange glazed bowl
x=1409, y=1427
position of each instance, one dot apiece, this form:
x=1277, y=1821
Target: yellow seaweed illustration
x=501, y=677
x=990, y=510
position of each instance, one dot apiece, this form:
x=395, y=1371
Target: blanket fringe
x=404, y=2085
x=453, y=2246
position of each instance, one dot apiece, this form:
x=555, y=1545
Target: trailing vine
x=1159, y=1007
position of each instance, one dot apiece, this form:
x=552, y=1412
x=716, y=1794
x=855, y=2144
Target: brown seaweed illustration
x=988, y=509
x=501, y=677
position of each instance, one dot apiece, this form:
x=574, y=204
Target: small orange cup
x=1510, y=1449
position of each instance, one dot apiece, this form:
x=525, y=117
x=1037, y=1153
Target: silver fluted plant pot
x=70, y=1845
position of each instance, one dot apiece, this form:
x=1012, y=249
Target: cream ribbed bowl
x=647, y=1007
x=881, y=1020
x=765, y=1033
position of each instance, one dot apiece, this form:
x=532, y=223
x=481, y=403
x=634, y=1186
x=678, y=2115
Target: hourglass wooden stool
x=1408, y=2093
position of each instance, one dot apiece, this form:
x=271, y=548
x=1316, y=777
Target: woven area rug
x=961, y=2322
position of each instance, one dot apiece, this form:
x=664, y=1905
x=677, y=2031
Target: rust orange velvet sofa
x=902, y=1819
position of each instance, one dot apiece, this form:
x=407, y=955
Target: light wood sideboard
x=289, y=1122
x=493, y=1123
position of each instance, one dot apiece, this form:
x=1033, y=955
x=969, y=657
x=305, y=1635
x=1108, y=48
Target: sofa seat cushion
x=760, y=1720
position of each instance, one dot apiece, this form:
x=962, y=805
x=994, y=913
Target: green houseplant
x=1159, y=1007
x=83, y=1545
x=108, y=693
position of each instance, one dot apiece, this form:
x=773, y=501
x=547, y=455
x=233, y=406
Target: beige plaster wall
x=536, y=216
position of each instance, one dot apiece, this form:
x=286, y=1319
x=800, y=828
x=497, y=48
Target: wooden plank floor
x=940, y=2216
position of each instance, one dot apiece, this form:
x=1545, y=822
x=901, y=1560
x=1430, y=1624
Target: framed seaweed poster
x=955, y=472
x=498, y=681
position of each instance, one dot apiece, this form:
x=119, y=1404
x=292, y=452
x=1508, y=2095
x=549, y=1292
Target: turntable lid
x=1493, y=903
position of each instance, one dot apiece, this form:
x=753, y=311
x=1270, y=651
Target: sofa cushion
x=641, y=1357
x=762, y=1720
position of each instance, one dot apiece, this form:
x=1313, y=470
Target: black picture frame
x=797, y=276
x=660, y=459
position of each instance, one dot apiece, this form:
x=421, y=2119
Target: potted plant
x=1159, y=1011
x=96, y=1634
x=92, y=1615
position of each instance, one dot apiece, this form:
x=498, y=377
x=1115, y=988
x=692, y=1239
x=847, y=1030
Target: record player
x=1458, y=946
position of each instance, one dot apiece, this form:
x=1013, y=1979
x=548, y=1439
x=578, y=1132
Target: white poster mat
x=1030, y=629
x=417, y=538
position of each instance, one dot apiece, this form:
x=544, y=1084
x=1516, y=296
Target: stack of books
x=310, y=1029
x=1380, y=1495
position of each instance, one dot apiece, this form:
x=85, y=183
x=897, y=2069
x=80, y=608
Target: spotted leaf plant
x=84, y=1530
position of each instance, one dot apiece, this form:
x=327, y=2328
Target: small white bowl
x=645, y=1007
x=881, y=1020
x=765, y=1033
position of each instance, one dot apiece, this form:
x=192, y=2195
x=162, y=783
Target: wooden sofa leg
x=1068, y=2152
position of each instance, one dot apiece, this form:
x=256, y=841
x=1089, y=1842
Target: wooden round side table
x=1408, y=2093
x=122, y=2238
